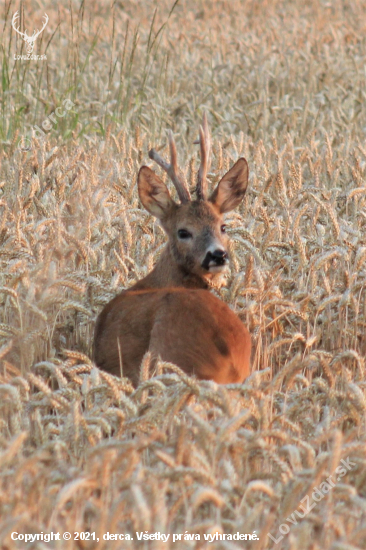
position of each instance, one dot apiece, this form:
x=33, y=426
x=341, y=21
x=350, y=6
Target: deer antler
x=14, y=22
x=172, y=169
x=45, y=23
x=205, y=146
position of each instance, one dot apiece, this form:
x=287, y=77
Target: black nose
x=219, y=257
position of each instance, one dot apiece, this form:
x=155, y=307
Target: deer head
x=196, y=229
x=29, y=40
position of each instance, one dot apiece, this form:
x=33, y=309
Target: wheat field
x=284, y=84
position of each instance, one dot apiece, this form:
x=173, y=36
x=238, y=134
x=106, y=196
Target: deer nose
x=219, y=256
x=216, y=258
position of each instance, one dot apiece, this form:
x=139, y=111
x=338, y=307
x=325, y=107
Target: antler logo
x=29, y=40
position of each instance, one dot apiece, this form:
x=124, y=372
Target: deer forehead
x=197, y=214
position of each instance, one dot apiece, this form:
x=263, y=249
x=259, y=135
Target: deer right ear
x=231, y=188
x=153, y=193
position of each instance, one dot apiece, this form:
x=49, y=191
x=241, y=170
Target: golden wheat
x=80, y=450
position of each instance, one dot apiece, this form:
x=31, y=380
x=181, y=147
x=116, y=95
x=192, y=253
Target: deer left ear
x=231, y=188
x=153, y=193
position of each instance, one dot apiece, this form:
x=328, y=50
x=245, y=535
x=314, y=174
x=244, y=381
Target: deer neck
x=167, y=273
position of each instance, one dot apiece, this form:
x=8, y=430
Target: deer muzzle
x=217, y=258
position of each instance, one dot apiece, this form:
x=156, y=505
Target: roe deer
x=170, y=312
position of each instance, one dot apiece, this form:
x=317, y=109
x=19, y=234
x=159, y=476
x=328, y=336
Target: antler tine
x=46, y=19
x=172, y=169
x=205, y=147
x=37, y=33
x=14, y=22
x=15, y=17
x=208, y=139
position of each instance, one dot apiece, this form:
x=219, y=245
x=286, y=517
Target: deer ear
x=231, y=188
x=153, y=193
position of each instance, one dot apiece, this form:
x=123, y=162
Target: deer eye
x=184, y=234
x=223, y=228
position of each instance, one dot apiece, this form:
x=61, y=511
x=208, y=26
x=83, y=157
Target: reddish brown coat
x=171, y=312
x=191, y=328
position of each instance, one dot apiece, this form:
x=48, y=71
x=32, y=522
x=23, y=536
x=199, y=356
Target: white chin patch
x=217, y=268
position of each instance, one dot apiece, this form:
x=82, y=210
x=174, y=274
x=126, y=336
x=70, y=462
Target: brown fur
x=170, y=312
x=180, y=264
x=191, y=328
